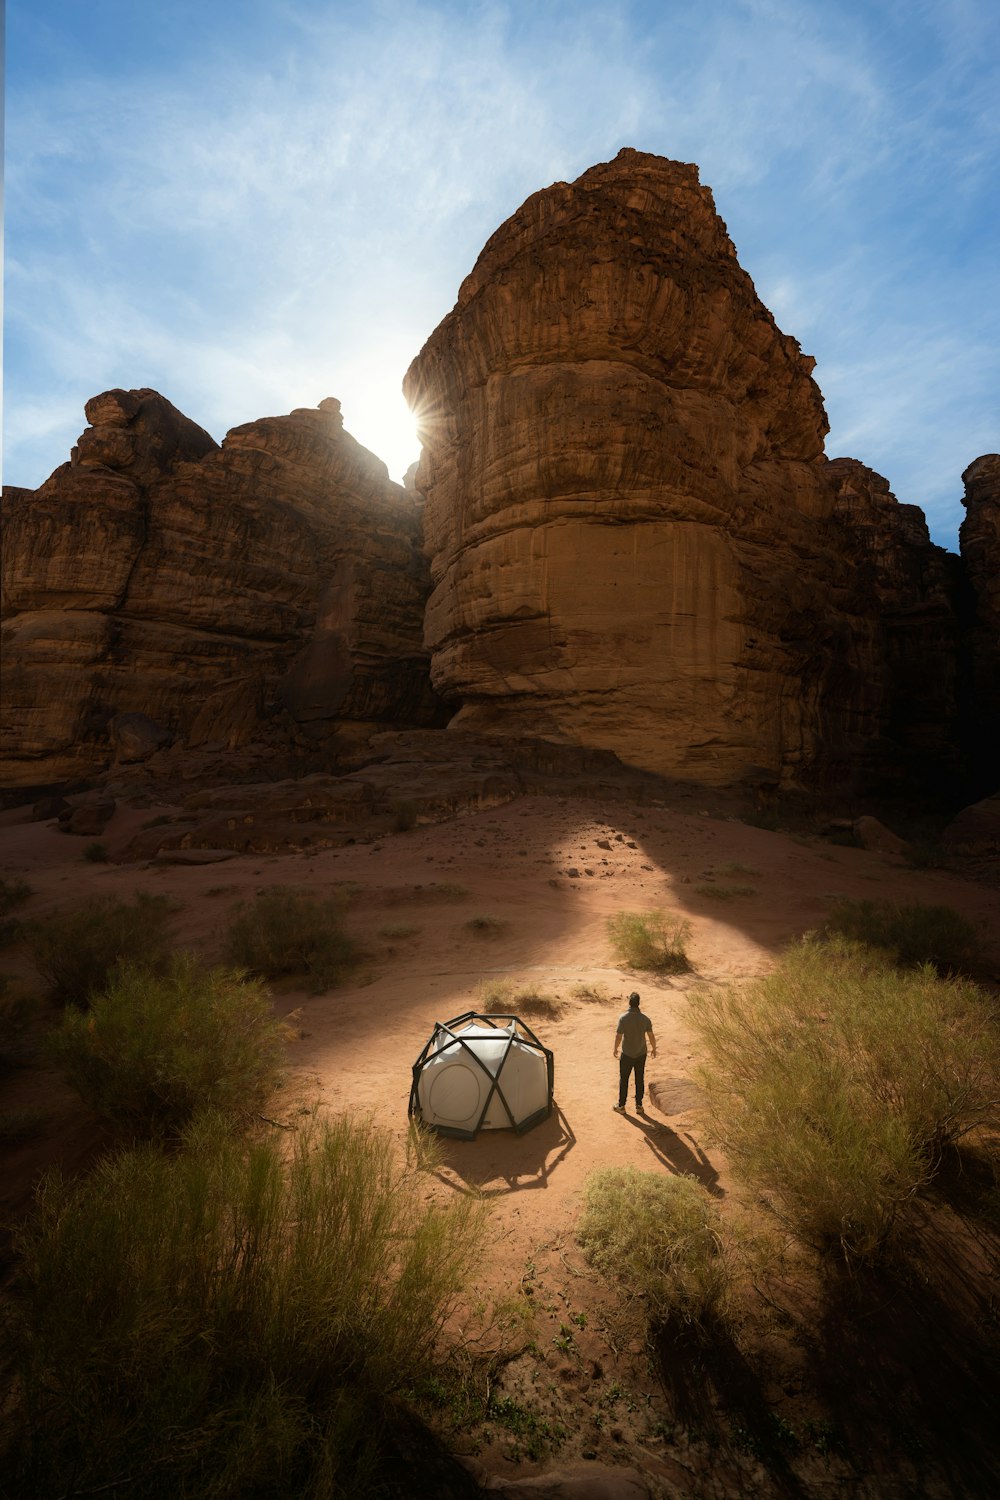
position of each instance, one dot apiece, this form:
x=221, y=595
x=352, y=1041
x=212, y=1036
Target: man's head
x=633, y=1000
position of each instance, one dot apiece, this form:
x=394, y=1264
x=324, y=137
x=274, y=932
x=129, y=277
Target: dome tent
x=482, y=1072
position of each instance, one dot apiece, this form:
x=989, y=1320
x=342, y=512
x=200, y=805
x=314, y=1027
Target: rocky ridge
x=623, y=535
x=161, y=588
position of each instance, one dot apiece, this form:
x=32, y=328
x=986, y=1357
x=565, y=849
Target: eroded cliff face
x=909, y=589
x=635, y=537
x=979, y=539
x=630, y=530
x=270, y=588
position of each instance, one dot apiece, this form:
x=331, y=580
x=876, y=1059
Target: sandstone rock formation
x=910, y=588
x=979, y=538
x=272, y=588
x=623, y=535
x=635, y=538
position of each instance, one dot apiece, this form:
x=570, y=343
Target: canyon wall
x=635, y=538
x=624, y=534
x=270, y=589
x=979, y=539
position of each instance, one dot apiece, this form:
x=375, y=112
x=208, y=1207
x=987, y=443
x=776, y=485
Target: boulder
x=89, y=818
x=869, y=833
x=976, y=829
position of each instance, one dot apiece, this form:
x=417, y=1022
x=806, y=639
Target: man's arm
x=652, y=1042
x=618, y=1041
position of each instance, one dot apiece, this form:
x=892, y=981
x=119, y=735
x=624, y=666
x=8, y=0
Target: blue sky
x=255, y=205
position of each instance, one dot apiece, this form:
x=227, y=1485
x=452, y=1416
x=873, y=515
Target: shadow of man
x=673, y=1152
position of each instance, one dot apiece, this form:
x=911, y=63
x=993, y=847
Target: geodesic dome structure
x=481, y=1072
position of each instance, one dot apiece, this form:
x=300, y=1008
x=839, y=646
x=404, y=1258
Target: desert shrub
x=724, y=892
x=97, y=854
x=404, y=816
x=153, y=1049
x=596, y=992
x=228, y=1320
x=394, y=930
x=19, y=1010
x=437, y=890
x=912, y=934
x=926, y=854
x=661, y=1239
x=485, y=925
x=17, y=1125
x=735, y=868
x=650, y=940
x=77, y=951
x=834, y=1082
x=504, y=997
x=284, y=931
x=13, y=893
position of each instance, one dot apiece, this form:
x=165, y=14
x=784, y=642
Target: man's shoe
x=620, y=1108
x=640, y=1110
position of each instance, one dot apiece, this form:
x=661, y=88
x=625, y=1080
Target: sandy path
x=360, y=1041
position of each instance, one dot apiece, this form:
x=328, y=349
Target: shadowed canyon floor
x=778, y=1415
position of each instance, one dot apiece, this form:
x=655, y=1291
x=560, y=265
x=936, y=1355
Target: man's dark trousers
x=626, y=1065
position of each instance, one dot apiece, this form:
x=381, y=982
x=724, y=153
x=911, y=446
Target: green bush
x=228, y=1320
x=504, y=997
x=724, y=892
x=285, y=931
x=661, y=1239
x=97, y=854
x=153, y=1049
x=19, y=1010
x=485, y=925
x=912, y=934
x=650, y=940
x=77, y=951
x=13, y=893
x=834, y=1082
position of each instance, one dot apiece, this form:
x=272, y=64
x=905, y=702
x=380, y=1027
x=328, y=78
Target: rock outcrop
x=909, y=588
x=160, y=588
x=623, y=536
x=635, y=538
x=979, y=539
x=628, y=524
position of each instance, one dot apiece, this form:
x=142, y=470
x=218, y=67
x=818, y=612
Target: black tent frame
x=519, y=1032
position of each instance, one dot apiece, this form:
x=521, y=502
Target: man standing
x=633, y=1029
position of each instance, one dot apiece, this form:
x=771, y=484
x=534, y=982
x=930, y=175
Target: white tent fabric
x=482, y=1073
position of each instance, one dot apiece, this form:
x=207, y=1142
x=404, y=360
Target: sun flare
x=382, y=421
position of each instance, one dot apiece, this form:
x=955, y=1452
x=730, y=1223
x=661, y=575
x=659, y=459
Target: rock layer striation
x=161, y=588
x=635, y=539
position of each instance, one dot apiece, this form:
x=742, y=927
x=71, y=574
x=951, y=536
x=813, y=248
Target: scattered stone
x=871, y=834
x=87, y=819
x=192, y=856
x=976, y=829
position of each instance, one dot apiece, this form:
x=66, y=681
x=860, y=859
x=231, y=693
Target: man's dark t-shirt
x=633, y=1026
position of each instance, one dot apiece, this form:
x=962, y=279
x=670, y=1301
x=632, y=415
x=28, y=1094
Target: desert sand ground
x=551, y=871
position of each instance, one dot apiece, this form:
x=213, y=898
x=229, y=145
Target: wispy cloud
x=287, y=209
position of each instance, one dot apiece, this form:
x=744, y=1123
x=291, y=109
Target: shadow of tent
x=679, y=1158
x=520, y=1161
